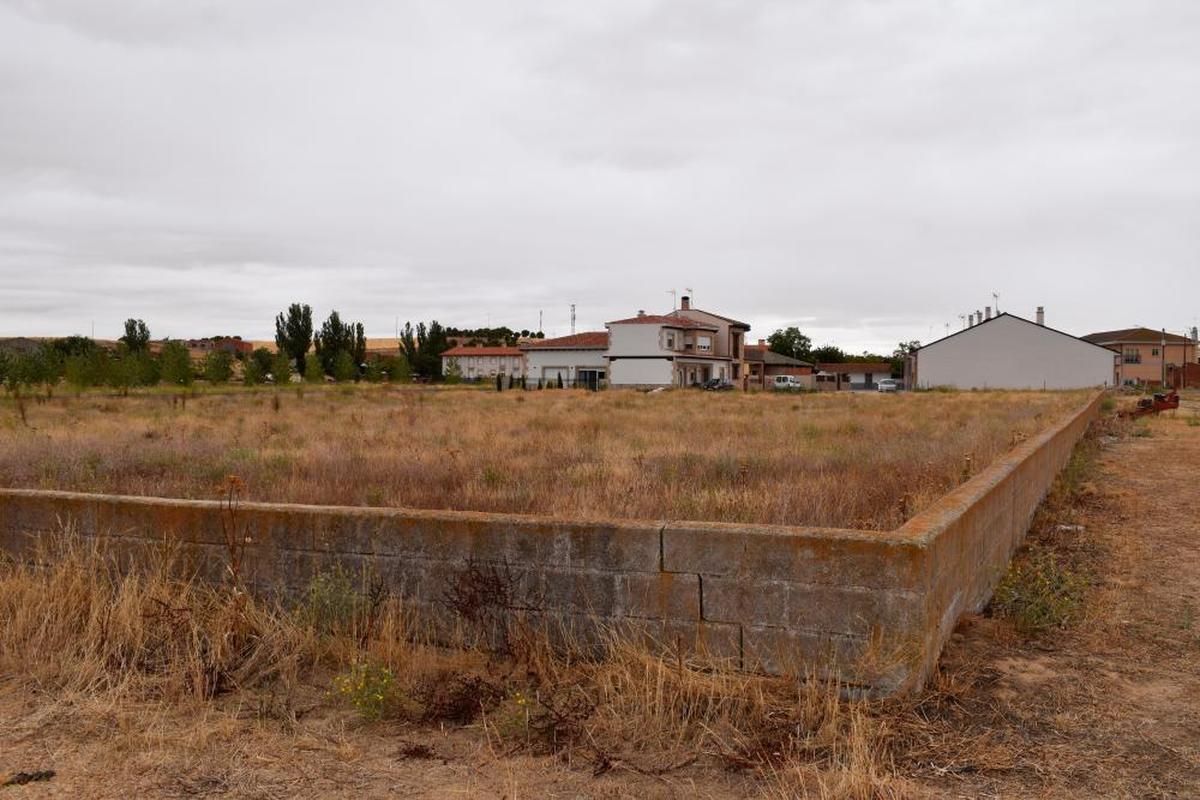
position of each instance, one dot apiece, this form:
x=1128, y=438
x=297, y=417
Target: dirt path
x=1110, y=708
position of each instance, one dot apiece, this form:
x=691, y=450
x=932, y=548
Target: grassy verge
x=1046, y=585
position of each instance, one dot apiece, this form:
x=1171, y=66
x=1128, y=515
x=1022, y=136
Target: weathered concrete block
x=662, y=595
x=837, y=558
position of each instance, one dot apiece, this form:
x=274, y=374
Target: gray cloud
x=867, y=170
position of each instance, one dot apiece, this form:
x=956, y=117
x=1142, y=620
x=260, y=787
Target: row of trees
x=792, y=342
x=340, y=348
x=82, y=363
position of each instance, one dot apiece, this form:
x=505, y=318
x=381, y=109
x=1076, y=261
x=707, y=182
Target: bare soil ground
x=1111, y=706
x=1107, y=708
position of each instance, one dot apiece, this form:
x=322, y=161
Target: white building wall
x=635, y=339
x=640, y=371
x=547, y=363
x=1010, y=353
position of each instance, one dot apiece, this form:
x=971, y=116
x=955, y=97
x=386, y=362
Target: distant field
x=843, y=460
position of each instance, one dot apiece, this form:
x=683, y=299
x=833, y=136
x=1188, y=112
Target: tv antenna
x=572, y=319
x=672, y=292
x=691, y=294
x=996, y=302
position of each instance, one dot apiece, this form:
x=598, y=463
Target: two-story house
x=686, y=347
x=1147, y=355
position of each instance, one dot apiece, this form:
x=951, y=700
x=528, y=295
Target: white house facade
x=686, y=347
x=484, y=362
x=578, y=360
x=1010, y=352
x=666, y=350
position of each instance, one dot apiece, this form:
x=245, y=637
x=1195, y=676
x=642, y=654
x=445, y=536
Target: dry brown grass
x=78, y=627
x=860, y=461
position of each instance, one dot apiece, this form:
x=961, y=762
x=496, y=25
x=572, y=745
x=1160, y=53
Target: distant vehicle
x=888, y=385
x=786, y=383
x=717, y=385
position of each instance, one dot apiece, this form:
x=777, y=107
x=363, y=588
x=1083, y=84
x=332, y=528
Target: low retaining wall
x=876, y=606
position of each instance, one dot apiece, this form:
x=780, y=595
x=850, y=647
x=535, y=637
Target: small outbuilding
x=1010, y=352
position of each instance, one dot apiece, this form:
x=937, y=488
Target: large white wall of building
x=635, y=339
x=1011, y=353
x=640, y=372
x=548, y=363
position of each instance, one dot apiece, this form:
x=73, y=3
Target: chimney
x=987, y=312
x=978, y=316
x=762, y=342
x=1041, y=315
x=685, y=303
x=641, y=312
x=1195, y=331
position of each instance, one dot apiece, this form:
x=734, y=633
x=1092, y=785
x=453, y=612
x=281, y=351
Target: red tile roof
x=673, y=320
x=482, y=351
x=1134, y=336
x=588, y=340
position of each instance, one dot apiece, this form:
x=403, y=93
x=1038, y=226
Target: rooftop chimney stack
x=1195, y=331
x=987, y=312
x=1041, y=315
x=762, y=342
x=641, y=312
x=685, y=303
x=978, y=316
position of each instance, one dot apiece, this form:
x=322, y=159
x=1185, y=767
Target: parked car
x=787, y=383
x=889, y=385
x=717, y=385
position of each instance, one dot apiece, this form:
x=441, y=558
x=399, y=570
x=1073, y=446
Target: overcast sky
x=864, y=170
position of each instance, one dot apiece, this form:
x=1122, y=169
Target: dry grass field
x=136, y=684
x=850, y=460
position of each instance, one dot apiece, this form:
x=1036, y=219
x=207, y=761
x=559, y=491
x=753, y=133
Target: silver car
x=888, y=385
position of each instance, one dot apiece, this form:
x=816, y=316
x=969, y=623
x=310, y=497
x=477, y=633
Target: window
x=1154, y=351
x=670, y=341
x=704, y=344
x=1132, y=356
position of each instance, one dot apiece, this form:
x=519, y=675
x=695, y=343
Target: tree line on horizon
x=337, y=350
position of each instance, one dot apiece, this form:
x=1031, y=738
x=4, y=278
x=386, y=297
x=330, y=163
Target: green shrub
x=176, y=364
x=369, y=688
x=252, y=373
x=312, y=370
x=281, y=368
x=218, y=367
x=344, y=368
x=330, y=605
x=1038, y=594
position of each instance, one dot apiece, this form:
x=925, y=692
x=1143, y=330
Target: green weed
x=1039, y=594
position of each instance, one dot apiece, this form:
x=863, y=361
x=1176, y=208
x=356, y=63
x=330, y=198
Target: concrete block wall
x=875, y=606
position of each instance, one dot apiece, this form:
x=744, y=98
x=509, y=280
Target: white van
x=787, y=383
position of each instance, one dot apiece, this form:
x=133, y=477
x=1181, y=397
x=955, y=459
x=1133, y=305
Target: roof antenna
x=691, y=294
x=572, y=319
x=672, y=292
x=996, y=302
